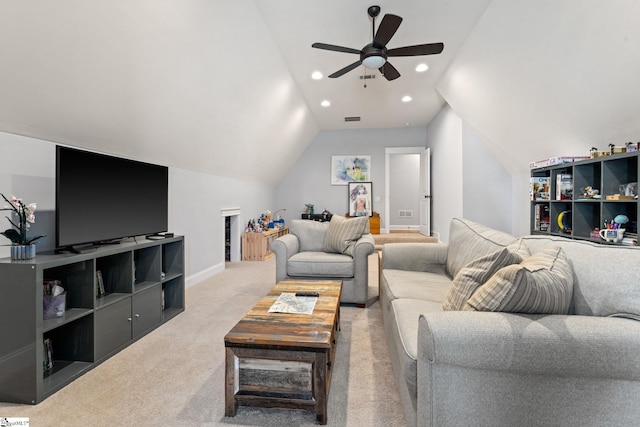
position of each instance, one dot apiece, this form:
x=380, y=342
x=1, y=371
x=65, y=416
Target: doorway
x=232, y=234
x=407, y=190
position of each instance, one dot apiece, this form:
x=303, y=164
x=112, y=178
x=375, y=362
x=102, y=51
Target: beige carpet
x=175, y=375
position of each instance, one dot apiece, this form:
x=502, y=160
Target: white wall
x=308, y=181
x=468, y=181
x=195, y=202
x=486, y=188
x=28, y=172
x=445, y=140
x=521, y=205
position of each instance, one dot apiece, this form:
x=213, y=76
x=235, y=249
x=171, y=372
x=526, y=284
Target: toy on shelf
x=589, y=192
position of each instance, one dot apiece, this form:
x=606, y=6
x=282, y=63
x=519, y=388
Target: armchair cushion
x=322, y=264
x=542, y=283
x=343, y=234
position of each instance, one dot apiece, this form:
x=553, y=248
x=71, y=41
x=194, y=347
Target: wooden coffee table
x=284, y=360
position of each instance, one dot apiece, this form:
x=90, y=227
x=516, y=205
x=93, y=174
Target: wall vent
x=352, y=119
x=405, y=213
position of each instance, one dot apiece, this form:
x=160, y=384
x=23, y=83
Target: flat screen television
x=101, y=198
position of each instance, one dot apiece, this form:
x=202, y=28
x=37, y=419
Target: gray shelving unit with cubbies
x=143, y=285
x=585, y=214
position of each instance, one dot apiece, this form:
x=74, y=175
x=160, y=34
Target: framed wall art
x=345, y=169
x=360, y=199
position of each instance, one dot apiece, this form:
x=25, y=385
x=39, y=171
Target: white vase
x=23, y=252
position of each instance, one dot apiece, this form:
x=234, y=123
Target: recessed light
x=317, y=75
x=421, y=68
x=406, y=98
x=325, y=103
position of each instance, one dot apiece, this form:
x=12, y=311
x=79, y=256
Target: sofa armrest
x=547, y=345
x=363, y=248
x=429, y=257
x=284, y=247
x=361, y=251
x=478, y=368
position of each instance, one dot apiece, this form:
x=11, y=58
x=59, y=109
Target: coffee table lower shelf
x=289, y=379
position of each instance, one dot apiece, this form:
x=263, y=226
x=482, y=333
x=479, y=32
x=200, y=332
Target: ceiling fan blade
x=389, y=71
x=335, y=48
x=386, y=30
x=345, y=70
x=420, y=49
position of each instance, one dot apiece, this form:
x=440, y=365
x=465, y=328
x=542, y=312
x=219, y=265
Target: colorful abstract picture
x=345, y=169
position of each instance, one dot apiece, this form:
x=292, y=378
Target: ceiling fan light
x=421, y=68
x=374, y=62
x=317, y=75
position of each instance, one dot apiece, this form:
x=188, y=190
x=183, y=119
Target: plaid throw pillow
x=343, y=234
x=474, y=274
x=542, y=283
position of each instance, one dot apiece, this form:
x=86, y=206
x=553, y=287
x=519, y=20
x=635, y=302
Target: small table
x=257, y=246
x=284, y=360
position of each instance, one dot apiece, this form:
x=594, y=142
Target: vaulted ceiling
x=225, y=87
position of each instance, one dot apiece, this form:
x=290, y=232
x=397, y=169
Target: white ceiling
x=224, y=87
x=296, y=25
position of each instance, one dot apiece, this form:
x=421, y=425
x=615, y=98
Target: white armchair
x=336, y=250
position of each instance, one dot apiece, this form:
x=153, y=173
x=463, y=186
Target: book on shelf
x=539, y=188
x=99, y=284
x=558, y=160
x=564, y=186
x=47, y=362
x=541, y=218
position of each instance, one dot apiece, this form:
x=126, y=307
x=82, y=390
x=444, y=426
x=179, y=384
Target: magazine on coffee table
x=289, y=302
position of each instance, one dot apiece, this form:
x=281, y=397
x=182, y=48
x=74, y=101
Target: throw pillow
x=541, y=283
x=343, y=234
x=474, y=274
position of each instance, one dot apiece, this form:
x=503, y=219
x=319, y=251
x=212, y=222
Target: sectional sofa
x=538, y=330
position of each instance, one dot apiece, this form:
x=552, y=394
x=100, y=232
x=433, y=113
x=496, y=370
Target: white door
x=425, y=192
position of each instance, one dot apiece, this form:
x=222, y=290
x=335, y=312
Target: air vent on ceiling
x=368, y=76
x=352, y=119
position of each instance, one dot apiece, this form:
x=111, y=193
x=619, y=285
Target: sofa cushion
x=541, y=283
x=310, y=234
x=475, y=274
x=343, y=234
x=469, y=240
x=320, y=264
x=415, y=284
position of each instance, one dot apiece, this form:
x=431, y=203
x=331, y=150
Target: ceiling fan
x=375, y=54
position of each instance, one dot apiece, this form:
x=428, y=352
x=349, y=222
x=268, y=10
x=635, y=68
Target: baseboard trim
x=204, y=274
x=404, y=229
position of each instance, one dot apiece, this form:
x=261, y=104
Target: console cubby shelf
x=583, y=214
x=143, y=282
